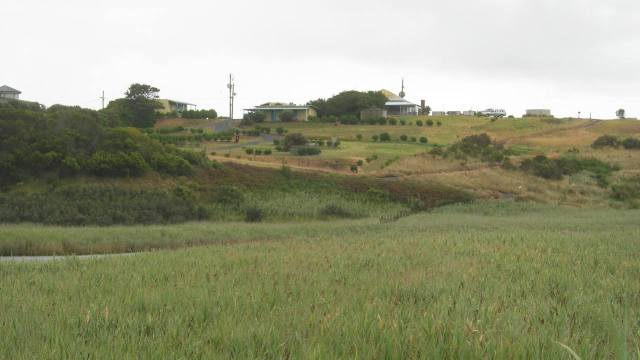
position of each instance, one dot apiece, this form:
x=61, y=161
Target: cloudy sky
x=568, y=55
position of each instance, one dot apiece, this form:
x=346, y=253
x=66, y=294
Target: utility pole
x=102, y=98
x=232, y=94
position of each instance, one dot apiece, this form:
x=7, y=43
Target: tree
x=142, y=91
x=137, y=109
x=349, y=103
x=620, y=113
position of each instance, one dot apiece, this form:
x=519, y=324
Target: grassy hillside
x=490, y=280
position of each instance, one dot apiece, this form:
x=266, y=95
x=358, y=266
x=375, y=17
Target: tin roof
x=7, y=89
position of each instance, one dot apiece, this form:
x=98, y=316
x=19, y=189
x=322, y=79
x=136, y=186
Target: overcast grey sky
x=567, y=55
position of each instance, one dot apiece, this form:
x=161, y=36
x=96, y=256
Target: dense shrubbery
x=199, y=114
x=307, y=151
x=349, y=103
x=627, y=190
x=295, y=139
x=606, y=141
x=69, y=140
x=568, y=165
x=476, y=146
x=614, y=142
x=98, y=205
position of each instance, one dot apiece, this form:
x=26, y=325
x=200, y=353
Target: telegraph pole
x=102, y=98
x=232, y=94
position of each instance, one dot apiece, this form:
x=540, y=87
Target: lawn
x=486, y=280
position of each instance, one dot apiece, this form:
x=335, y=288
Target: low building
x=454, y=113
x=273, y=110
x=538, y=113
x=438, y=113
x=469, y=113
x=10, y=93
x=170, y=106
x=398, y=105
x=373, y=113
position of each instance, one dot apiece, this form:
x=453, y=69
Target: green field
x=485, y=280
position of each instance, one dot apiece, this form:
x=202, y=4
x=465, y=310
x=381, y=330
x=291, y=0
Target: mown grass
x=475, y=281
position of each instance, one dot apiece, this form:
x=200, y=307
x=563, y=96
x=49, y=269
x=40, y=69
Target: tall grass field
x=482, y=280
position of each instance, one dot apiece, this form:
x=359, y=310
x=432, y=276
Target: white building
x=538, y=112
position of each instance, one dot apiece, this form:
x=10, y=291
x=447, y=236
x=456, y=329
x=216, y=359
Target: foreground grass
x=474, y=281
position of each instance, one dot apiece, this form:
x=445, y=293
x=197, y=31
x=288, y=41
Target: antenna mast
x=102, y=98
x=232, y=94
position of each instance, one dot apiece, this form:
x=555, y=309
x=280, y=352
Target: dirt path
x=23, y=259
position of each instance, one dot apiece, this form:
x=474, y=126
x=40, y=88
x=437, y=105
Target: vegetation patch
x=556, y=169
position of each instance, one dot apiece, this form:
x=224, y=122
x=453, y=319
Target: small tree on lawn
x=620, y=113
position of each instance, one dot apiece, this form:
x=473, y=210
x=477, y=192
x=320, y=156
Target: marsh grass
x=475, y=281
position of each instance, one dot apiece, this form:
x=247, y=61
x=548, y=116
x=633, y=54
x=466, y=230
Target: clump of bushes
x=423, y=140
x=384, y=137
x=253, y=215
x=627, y=190
x=556, y=169
x=99, y=205
x=335, y=211
x=604, y=141
x=307, y=151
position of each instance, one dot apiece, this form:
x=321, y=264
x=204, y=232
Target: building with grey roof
x=10, y=93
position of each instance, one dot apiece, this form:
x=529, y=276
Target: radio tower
x=232, y=94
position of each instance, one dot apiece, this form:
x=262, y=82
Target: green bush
x=402, y=122
x=393, y=121
x=385, y=137
x=429, y=122
x=267, y=152
x=228, y=195
x=253, y=215
x=606, y=141
x=403, y=137
x=375, y=138
x=335, y=211
x=249, y=151
x=438, y=123
x=116, y=164
x=631, y=143
x=295, y=139
x=419, y=122
x=98, y=205
x=423, y=140
x=307, y=151
x=359, y=137
x=360, y=162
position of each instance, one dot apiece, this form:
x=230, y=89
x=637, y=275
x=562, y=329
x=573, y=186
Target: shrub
x=228, y=195
x=276, y=142
x=249, y=151
x=171, y=164
x=354, y=168
x=393, y=122
x=258, y=152
x=419, y=123
x=381, y=121
x=253, y=215
x=423, y=140
x=631, y=143
x=402, y=122
x=439, y=123
x=360, y=162
x=287, y=116
x=321, y=142
x=375, y=137
x=385, y=137
x=280, y=130
x=359, y=137
x=429, y=122
x=267, y=152
x=307, y=151
x=606, y=141
x=403, y=137
x=295, y=139
x=117, y=164
x=628, y=189
x=335, y=211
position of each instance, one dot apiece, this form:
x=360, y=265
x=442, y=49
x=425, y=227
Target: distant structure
x=9, y=93
x=397, y=104
x=274, y=109
x=373, y=113
x=469, y=113
x=538, y=112
x=454, y=113
x=494, y=112
x=439, y=113
x=169, y=106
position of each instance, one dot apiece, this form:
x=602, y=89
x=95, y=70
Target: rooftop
x=7, y=89
x=280, y=106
